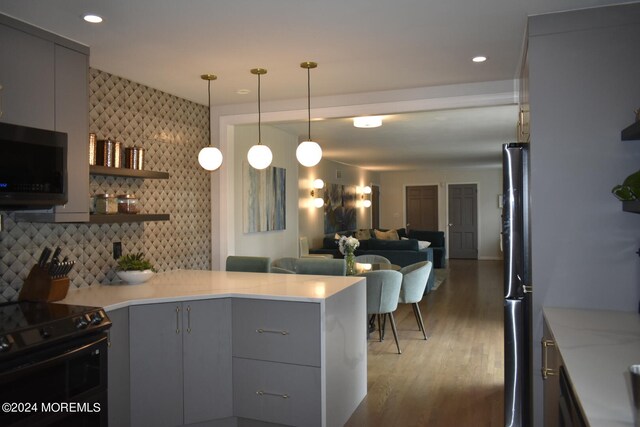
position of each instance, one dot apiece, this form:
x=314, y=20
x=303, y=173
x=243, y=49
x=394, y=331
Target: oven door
x=60, y=385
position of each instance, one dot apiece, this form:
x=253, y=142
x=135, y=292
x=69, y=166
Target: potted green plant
x=134, y=268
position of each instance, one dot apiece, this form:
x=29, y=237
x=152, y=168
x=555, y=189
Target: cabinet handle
x=108, y=332
x=177, y=320
x=189, y=319
x=271, y=331
x=546, y=371
x=266, y=393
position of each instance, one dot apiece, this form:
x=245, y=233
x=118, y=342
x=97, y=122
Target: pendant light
x=309, y=152
x=259, y=156
x=210, y=158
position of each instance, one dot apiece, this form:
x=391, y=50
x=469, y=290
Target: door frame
x=478, y=213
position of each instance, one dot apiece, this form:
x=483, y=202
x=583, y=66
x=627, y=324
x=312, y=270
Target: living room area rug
x=441, y=277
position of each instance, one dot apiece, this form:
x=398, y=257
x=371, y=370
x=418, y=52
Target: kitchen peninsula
x=220, y=348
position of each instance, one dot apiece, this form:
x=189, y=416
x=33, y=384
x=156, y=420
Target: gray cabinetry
x=180, y=362
x=118, y=378
x=45, y=84
x=276, y=361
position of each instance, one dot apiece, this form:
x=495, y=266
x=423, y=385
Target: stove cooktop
x=28, y=325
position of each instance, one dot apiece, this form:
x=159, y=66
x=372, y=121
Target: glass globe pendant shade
x=318, y=202
x=309, y=153
x=259, y=156
x=366, y=203
x=210, y=158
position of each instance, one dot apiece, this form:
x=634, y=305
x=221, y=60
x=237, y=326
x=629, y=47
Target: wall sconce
x=366, y=197
x=318, y=193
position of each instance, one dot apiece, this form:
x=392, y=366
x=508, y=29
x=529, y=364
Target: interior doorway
x=463, y=221
x=422, y=207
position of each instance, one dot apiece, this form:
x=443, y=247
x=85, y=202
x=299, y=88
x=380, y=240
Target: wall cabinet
x=180, y=362
x=45, y=84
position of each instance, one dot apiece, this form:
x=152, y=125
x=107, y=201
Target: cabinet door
x=118, y=377
x=156, y=365
x=27, y=79
x=207, y=360
x=72, y=117
x=551, y=381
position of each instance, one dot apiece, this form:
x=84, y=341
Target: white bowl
x=135, y=277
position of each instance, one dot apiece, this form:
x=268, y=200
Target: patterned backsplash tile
x=172, y=131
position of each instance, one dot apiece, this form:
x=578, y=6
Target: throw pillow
x=423, y=244
x=337, y=236
x=387, y=235
x=363, y=234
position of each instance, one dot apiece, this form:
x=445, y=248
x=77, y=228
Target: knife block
x=39, y=286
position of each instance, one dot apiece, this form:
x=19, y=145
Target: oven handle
x=55, y=359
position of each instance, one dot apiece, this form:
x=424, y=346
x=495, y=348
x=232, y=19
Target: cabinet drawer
x=278, y=331
x=277, y=392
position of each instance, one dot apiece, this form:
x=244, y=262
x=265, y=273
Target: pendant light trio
x=308, y=153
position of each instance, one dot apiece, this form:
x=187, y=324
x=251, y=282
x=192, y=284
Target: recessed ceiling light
x=479, y=58
x=367, y=122
x=242, y=91
x=94, y=19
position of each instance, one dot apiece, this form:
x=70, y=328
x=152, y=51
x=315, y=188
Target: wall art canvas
x=264, y=198
x=339, y=208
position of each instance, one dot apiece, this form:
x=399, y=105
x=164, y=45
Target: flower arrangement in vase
x=347, y=246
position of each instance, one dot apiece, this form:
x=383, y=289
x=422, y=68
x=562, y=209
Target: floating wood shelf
x=120, y=218
x=127, y=173
x=631, y=133
x=631, y=206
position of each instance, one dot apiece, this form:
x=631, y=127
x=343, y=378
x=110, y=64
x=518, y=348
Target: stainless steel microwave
x=33, y=167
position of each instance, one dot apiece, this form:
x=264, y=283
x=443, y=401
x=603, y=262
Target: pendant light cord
x=209, y=94
x=309, y=99
x=259, y=114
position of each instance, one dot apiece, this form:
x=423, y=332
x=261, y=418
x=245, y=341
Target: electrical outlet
x=117, y=250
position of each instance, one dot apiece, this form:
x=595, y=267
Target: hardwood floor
x=455, y=378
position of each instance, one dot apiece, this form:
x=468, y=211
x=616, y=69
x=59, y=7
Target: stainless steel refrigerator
x=517, y=286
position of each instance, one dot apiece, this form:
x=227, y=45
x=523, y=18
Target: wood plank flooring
x=455, y=378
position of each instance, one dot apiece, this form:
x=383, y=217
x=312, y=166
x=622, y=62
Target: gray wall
x=172, y=131
x=584, y=85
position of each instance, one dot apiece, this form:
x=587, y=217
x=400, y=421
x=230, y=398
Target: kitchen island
x=595, y=349
x=231, y=348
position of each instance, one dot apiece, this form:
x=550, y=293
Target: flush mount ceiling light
x=479, y=58
x=259, y=156
x=210, y=158
x=309, y=153
x=94, y=19
x=367, y=122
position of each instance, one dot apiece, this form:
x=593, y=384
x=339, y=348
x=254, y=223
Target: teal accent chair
x=383, y=292
x=251, y=264
x=286, y=263
x=372, y=259
x=414, y=282
x=322, y=266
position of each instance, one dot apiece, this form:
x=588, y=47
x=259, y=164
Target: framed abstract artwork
x=264, y=193
x=339, y=208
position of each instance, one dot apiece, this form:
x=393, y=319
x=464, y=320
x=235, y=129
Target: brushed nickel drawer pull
x=546, y=371
x=177, y=320
x=271, y=331
x=266, y=393
x=188, y=319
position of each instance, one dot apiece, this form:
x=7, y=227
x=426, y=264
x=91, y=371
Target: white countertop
x=597, y=347
x=184, y=285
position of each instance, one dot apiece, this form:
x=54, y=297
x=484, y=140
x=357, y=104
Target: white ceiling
x=360, y=45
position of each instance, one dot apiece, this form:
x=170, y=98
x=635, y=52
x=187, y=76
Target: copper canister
x=134, y=157
x=92, y=148
x=109, y=153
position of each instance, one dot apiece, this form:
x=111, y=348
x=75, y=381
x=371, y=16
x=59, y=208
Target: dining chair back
x=253, y=264
x=281, y=270
x=288, y=263
x=321, y=266
x=383, y=292
x=414, y=282
x=372, y=259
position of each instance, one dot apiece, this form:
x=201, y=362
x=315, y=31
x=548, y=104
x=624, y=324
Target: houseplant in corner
x=134, y=268
x=347, y=246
